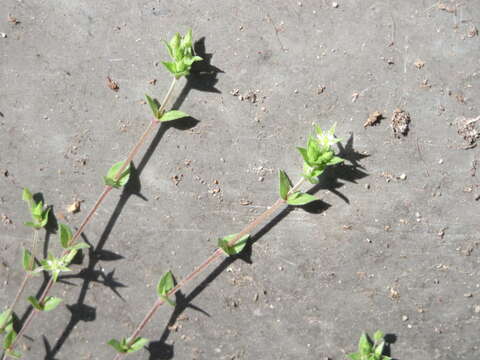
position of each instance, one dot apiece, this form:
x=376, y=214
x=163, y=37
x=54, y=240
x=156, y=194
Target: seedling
x=180, y=49
x=316, y=157
x=369, y=351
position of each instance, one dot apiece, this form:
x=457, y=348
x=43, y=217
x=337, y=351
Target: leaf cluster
x=368, y=350
x=38, y=212
x=295, y=198
x=180, y=49
x=319, y=154
x=123, y=346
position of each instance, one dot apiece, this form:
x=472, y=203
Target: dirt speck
x=112, y=84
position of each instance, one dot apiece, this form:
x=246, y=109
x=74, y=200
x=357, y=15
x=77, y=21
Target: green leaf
x=27, y=260
x=173, y=115
x=313, y=151
x=379, y=349
x=187, y=40
x=6, y=321
x=236, y=248
x=44, y=217
x=170, y=66
x=65, y=235
x=190, y=60
x=138, y=344
x=154, y=105
x=169, y=48
x=168, y=300
x=109, y=182
x=34, y=301
x=112, y=172
x=67, y=259
x=175, y=42
x=51, y=303
x=285, y=184
x=355, y=356
x=304, y=154
x=335, y=160
x=378, y=336
x=166, y=284
x=9, y=339
x=117, y=345
x=27, y=196
x=13, y=354
x=299, y=198
x=364, y=345
x=37, y=211
x=79, y=246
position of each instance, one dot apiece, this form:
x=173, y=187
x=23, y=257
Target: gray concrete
x=372, y=257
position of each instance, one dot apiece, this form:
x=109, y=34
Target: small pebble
x=404, y=318
x=335, y=4
x=476, y=309
x=403, y=176
x=440, y=161
x=3, y=35
x=367, y=186
x=468, y=295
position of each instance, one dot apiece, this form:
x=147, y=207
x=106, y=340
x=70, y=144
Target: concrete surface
x=384, y=251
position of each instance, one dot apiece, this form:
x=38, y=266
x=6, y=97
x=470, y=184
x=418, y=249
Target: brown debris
x=176, y=179
x=74, y=207
x=112, y=84
x=419, y=64
x=467, y=129
x=472, y=31
x=446, y=8
x=152, y=82
x=373, y=119
x=6, y=220
x=400, y=122
x=12, y=19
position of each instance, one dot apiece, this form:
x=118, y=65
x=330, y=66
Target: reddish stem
x=218, y=252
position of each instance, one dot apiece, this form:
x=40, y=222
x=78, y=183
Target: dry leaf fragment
x=13, y=20
x=373, y=119
x=74, y=207
x=472, y=31
x=112, y=84
x=419, y=64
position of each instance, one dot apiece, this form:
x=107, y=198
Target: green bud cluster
x=38, y=212
x=180, y=49
x=319, y=154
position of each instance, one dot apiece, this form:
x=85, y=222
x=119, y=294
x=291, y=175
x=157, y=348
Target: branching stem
x=88, y=217
x=218, y=253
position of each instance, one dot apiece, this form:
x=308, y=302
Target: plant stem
x=218, y=252
x=147, y=132
x=23, y=284
x=90, y=214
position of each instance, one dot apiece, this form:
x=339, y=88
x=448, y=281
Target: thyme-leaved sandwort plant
x=317, y=155
x=180, y=49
